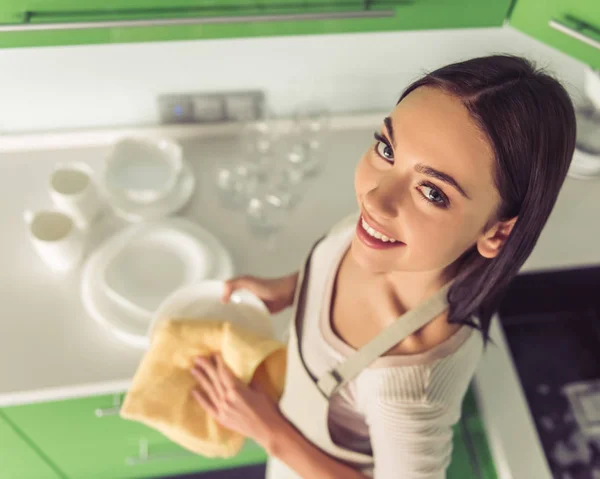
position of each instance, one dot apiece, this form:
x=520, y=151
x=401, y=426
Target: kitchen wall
x=108, y=85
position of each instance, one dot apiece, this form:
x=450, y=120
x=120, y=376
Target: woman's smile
x=374, y=238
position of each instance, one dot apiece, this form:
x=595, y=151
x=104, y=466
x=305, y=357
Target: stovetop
x=551, y=322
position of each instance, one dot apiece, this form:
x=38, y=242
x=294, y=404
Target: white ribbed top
x=401, y=408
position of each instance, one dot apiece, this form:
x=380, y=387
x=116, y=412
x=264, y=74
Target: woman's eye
x=433, y=195
x=384, y=150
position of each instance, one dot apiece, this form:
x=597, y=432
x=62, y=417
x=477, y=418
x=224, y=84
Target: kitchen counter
x=50, y=348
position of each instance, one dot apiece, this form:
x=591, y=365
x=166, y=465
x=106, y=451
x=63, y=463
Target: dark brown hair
x=529, y=120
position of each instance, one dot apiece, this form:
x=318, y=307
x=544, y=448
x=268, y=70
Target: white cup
x=56, y=238
x=73, y=190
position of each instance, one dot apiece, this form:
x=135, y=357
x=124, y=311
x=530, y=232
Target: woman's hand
x=276, y=293
x=253, y=414
x=244, y=409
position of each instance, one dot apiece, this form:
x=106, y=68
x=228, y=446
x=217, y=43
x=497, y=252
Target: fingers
x=208, y=393
x=234, y=284
x=201, y=399
x=229, y=379
x=208, y=366
x=218, y=383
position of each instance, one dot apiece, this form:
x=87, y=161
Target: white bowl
x=592, y=86
x=143, y=170
x=584, y=165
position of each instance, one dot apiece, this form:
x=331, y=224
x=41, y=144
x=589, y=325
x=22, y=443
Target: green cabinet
x=84, y=445
x=86, y=439
x=37, y=12
x=571, y=26
x=471, y=456
x=72, y=22
x=18, y=459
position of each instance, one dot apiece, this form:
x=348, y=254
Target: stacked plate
x=126, y=280
x=147, y=178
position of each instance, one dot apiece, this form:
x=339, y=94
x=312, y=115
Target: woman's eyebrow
x=424, y=169
x=388, y=124
x=427, y=170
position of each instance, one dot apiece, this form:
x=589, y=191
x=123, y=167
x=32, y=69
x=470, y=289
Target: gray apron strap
x=403, y=327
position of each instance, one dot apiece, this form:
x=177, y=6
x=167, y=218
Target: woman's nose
x=387, y=197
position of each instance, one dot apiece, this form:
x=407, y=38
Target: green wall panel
x=418, y=15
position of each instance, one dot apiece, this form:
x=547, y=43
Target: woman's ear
x=491, y=242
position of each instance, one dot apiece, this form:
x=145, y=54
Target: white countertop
x=50, y=348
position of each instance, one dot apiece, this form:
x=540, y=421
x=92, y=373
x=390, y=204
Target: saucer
x=173, y=202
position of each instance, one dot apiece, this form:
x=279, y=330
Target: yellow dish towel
x=160, y=395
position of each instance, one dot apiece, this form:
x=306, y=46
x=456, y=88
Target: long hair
x=529, y=120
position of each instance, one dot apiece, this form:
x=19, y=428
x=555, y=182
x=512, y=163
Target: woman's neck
x=409, y=288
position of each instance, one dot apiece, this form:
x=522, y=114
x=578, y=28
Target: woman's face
x=428, y=183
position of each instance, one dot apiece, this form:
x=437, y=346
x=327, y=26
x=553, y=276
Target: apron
x=305, y=399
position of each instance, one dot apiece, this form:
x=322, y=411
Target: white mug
x=56, y=238
x=73, y=190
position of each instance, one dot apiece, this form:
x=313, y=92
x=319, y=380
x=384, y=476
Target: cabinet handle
x=110, y=411
x=144, y=457
x=574, y=27
x=161, y=22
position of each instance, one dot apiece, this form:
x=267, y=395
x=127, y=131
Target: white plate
x=170, y=204
x=203, y=300
x=130, y=277
x=128, y=324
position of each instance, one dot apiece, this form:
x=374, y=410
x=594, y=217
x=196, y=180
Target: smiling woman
x=517, y=146
x=393, y=306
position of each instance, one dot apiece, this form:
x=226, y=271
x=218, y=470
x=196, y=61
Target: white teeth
x=376, y=234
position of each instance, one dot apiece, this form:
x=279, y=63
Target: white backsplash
x=108, y=85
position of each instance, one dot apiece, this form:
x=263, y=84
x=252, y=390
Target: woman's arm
x=252, y=413
x=289, y=446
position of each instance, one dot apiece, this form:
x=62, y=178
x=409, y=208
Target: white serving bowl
x=143, y=170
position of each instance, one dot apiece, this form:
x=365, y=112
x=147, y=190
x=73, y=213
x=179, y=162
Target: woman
x=393, y=307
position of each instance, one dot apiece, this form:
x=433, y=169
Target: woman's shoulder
x=439, y=376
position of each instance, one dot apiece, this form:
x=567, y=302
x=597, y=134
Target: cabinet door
x=571, y=26
x=108, y=447
x=470, y=453
x=406, y=15
x=18, y=460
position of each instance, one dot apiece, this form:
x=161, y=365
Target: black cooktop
x=551, y=321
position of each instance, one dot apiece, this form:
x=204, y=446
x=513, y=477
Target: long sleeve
x=409, y=440
x=410, y=412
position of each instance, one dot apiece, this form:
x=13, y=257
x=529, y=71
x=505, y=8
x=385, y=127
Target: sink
x=551, y=323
